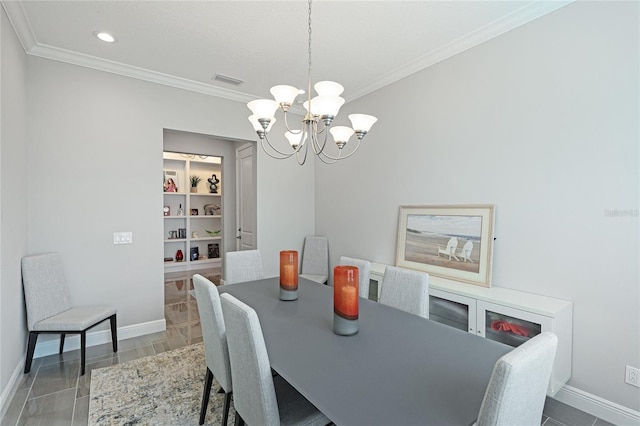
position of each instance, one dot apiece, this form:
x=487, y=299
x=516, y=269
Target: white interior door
x=246, y=217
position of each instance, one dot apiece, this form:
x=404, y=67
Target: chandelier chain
x=309, y=35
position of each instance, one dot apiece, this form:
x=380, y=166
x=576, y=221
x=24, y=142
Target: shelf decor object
x=454, y=242
x=345, y=300
x=195, y=180
x=321, y=110
x=288, y=275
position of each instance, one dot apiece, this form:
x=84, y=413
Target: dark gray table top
x=399, y=369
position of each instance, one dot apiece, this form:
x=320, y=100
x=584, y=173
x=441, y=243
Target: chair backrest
x=364, y=271
x=45, y=289
x=241, y=266
x=518, y=386
x=254, y=395
x=406, y=290
x=315, y=256
x=216, y=352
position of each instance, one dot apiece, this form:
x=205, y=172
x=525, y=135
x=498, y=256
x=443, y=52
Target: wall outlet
x=632, y=376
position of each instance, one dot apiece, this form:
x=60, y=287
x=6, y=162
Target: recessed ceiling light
x=106, y=37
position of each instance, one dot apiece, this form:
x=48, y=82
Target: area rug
x=164, y=389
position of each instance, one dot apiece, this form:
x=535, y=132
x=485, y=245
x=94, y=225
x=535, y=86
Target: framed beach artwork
x=454, y=242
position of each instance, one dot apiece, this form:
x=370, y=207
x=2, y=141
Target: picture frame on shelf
x=170, y=181
x=213, y=250
x=194, y=253
x=166, y=210
x=194, y=212
x=448, y=241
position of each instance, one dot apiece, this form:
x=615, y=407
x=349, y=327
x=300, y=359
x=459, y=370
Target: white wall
x=13, y=200
x=543, y=123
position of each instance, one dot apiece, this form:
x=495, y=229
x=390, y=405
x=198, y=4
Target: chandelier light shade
x=321, y=111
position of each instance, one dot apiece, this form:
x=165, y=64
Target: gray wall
x=13, y=201
x=542, y=122
x=94, y=145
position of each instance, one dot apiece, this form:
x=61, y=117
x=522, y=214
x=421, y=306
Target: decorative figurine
x=213, y=184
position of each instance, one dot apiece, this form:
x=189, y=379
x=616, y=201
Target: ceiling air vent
x=229, y=80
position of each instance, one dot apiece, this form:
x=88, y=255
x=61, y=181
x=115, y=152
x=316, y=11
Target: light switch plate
x=122, y=237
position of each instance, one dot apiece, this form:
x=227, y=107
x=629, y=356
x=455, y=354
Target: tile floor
x=54, y=393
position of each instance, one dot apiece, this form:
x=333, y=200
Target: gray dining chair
x=406, y=290
x=241, y=266
x=259, y=398
x=364, y=270
x=518, y=385
x=49, y=309
x=315, y=259
x=216, y=352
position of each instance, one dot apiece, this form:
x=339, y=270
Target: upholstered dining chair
x=315, y=259
x=364, y=270
x=49, y=309
x=241, y=266
x=518, y=385
x=406, y=290
x=260, y=398
x=216, y=353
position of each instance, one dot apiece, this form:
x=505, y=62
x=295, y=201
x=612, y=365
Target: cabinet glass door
x=452, y=309
x=507, y=325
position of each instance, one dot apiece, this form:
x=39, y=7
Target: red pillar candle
x=345, y=291
x=289, y=270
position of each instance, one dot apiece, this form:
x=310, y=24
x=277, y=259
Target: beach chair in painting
x=450, y=250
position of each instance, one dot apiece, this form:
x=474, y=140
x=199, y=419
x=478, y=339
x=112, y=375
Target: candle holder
x=288, y=275
x=345, y=300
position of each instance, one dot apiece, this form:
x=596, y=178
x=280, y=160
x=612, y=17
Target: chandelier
x=321, y=110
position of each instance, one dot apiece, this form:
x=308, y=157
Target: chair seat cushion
x=295, y=409
x=75, y=319
x=317, y=278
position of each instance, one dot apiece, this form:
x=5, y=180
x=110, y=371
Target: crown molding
x=523, y=15
x=114, y=67
x=20, y=23
x=24, y=31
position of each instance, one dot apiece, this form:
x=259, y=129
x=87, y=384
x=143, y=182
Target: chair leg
x=31, y=347
x=208, y=381
x=83, y=347
x=61, y=343
x=225, y=410
x=114, y=332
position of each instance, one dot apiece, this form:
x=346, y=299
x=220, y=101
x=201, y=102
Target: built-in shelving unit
x=193, y=219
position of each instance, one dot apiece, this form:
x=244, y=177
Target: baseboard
x=599, y=407
x=51, y=347
x=12, y=386
x=72, y=342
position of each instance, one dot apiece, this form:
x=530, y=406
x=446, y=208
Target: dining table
x=398, y=369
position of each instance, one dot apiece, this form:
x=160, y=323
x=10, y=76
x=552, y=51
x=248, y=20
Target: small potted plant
x=195, y=180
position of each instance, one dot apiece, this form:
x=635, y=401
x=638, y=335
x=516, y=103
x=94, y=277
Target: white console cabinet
x=504, y=315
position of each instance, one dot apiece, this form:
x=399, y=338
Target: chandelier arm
x=285, y=154
x=282, y=155
x=304, y=159
x=340, y=156
x=326, y=159
x=286, y=124
x=317, y=149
